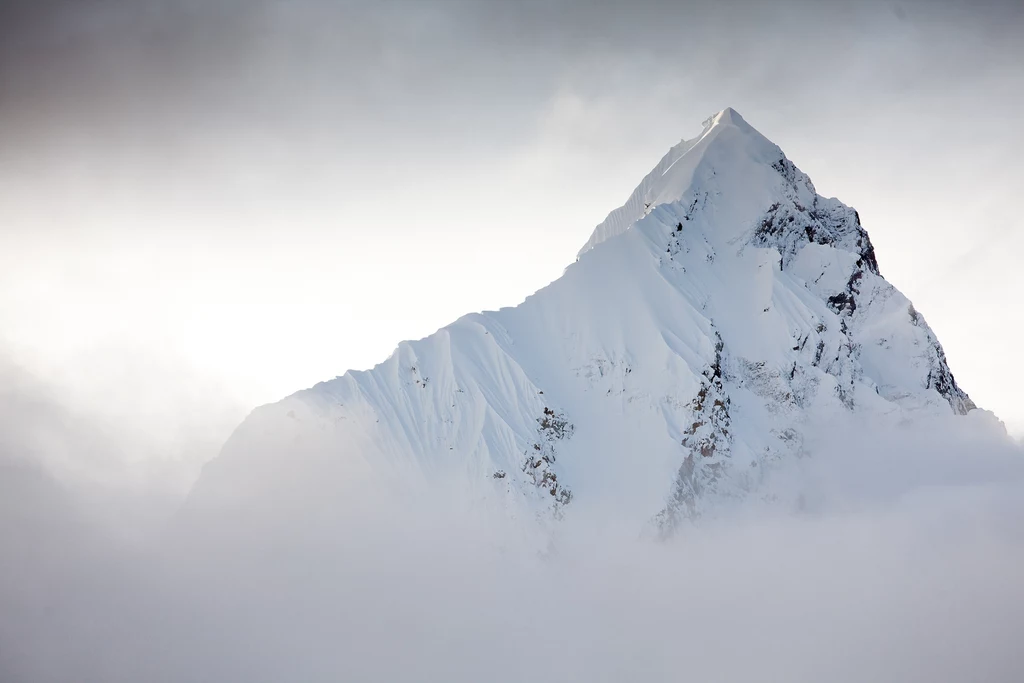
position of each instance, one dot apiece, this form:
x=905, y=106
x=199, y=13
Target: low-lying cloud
x=894, y=555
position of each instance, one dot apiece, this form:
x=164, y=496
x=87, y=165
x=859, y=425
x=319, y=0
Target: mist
x=205, y=206
x=886, y=555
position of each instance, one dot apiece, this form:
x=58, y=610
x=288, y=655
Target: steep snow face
x=707, y=324
x=674, y=175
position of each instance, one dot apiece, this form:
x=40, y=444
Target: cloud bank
x=888, y=556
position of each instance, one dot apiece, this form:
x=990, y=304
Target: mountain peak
x=710, y=327
x=727, y=147
x=727, y=116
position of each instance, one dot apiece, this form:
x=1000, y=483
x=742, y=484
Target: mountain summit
x=724, y=133
x=708, y=325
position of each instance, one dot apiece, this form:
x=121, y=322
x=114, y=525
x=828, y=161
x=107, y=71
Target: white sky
x=198, y=216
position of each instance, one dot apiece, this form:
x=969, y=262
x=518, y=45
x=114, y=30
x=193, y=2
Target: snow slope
x=706, y=326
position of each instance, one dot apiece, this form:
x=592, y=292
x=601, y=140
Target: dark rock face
x=804, y=217
x=552, y=427
x=707, y=437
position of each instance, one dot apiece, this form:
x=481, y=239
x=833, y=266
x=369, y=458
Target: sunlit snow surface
x=711, y=328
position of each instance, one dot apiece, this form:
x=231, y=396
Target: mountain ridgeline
x=707, y=328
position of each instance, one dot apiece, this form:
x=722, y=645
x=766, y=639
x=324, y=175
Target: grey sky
x=457, y=75
x=208, y=205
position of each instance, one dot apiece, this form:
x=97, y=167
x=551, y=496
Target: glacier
x=709, y=328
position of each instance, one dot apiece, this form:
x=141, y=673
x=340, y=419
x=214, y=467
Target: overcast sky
x=206, y=205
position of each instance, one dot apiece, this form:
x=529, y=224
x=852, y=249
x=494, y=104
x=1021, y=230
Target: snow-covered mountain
x=707, y=326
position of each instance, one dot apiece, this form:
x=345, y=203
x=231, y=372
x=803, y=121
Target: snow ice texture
x=707, y=326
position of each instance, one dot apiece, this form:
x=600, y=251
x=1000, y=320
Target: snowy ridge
x=669, y=180
x=705, y=324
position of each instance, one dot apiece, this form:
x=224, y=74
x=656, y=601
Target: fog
x=887, y=555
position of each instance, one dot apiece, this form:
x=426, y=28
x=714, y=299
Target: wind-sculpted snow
x=707, y=324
